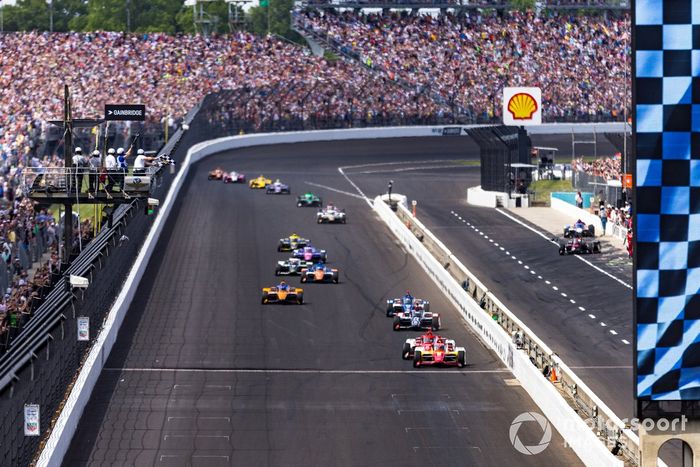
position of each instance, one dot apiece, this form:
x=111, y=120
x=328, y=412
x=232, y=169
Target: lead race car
x=579, y=228
x=291, y=267
x=411, y=317
x=233, y=177
x=331, y=215
x=319, y=272
x=260, y=182
x=397, y=305
x=579, y=246
x=309, y=200
x=310, y=253
x=282, y=293
x=277, y=188
x=216, y=174
x=427, y=339
x=441, y=353
x=292, y=243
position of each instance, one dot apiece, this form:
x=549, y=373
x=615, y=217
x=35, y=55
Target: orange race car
x=282, y=293
x=216, y=174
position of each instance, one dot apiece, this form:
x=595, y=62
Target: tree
x=279, y=18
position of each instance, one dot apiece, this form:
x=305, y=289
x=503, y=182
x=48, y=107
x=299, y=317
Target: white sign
x=522, y=106
x=31, y=420
x=83, y=328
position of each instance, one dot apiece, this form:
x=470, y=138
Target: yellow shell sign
x=522, y=106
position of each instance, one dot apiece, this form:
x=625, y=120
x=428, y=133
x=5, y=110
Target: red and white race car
x=233, y=177
x=435, y=350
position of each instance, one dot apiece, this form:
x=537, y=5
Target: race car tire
x=596, y=248
x=461, y=359
x=262, y=300
x=591, y=230
x=336, y=278
x=303, y=278
x=209, y=177
x=279, y=248
x=561, y=251
x=406, y=352
x=390, y=312
x=426, y=307
x=277, y=271
x=319, y=221
x=344, y=221
x=300, y=299
x=397, y=324
x=417, y=359
x=435, y=325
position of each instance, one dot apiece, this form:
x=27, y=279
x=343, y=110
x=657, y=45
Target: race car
x=319, y=272
x=416, y=318
x=234, y=177
x=440, y=353
x=397, y=305
x=427, y=339
x=308, y=200
x=291, y=267
x=331, y=215
x=216, y=174
x=282, y=293
x=259, y=182
x=292, y=243
x=277, y=188
x=579, y=228
x=578, y=246
x=309, y=253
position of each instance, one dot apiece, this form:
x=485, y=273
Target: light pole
x=390, y=185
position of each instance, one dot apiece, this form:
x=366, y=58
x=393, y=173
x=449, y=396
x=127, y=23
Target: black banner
x=452, y=131
x=135, y=112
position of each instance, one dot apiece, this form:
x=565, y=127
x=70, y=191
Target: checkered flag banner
x=667, y=210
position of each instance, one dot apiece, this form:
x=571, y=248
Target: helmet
x=110, y=151
x=120, y=151
x=139, y=152
x=78, y=150
x=96, y=153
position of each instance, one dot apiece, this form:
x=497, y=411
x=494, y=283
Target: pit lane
x=203, y=374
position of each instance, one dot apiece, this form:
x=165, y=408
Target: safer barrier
x=485, y=313
x=66, y=424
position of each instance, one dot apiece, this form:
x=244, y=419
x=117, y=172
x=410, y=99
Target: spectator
x=579, y=200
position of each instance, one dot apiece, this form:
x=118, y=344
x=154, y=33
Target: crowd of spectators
x=608, y=168
x=580, y=62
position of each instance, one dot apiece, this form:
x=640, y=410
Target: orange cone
x=553, y=376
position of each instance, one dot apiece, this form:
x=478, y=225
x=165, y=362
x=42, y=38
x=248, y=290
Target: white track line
x=616, y=279
x=325, y=187
x=369, y=202
x=303, y=372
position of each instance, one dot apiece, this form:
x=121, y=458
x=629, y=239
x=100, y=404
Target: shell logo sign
x=522, y=106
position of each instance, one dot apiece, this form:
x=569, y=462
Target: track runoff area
x=204, y=374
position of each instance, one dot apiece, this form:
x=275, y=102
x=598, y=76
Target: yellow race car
x=259, y=183
x=282, y=293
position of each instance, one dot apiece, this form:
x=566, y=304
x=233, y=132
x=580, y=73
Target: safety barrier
x=65, y=426
x=510, y=338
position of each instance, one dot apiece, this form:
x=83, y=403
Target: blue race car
x=277, y=188
x=310, y=253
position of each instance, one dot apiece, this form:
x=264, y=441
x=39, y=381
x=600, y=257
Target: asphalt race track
x=203, y=374
x=532, y=280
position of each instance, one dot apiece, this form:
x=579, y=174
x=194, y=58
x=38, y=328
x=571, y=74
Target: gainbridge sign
x=522, y=106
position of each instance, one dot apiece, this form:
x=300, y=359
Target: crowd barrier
x=486, y=314
x=67, y=422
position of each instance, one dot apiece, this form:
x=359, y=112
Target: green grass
x=470, y=163
x=543, y=189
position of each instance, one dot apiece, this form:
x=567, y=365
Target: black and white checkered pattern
x=667, y=214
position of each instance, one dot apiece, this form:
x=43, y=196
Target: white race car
x=331, y=215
